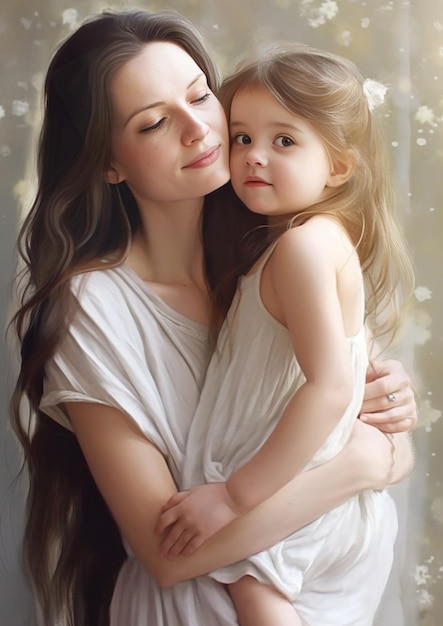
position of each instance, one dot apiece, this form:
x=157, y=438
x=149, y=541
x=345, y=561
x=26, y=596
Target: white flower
x=2, y=112
x=416, y=325
x=427, y=414
x=423, y=293
x=319, y=21
x=425, y=599
x=26, y=23
x=317, y=15
x=425, y=115
x=20, y=107
x=329, y=9
x=375, y=92
x=69, y=16
x=422, y=574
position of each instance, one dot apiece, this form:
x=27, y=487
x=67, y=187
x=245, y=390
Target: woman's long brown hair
x=78, y=222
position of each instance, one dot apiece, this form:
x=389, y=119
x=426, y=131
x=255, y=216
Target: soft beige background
x=398, y=43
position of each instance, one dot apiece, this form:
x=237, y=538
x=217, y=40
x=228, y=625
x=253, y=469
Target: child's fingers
x=169, y=539
x=168, y=518
x=193, y=545
x=175, y=540
x=181, y=544
x=174, y=500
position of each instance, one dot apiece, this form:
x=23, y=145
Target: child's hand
x=191, y=517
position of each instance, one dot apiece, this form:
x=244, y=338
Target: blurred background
x=398, y=43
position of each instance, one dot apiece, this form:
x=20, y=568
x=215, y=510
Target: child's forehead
x=255, y=91
x=261, y=98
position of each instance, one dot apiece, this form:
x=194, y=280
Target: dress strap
x=261, y=262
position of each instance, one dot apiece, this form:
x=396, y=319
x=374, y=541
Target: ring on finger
x=391, y=397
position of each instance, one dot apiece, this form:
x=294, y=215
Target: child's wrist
x=233, y=501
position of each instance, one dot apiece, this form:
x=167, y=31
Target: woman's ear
x=342, y=169
x=112, y=176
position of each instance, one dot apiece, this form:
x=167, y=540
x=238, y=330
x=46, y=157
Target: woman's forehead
x=159, y=73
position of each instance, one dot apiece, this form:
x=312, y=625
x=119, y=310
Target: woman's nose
x=194, y=129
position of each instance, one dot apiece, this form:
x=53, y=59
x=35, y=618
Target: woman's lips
x=205, y=158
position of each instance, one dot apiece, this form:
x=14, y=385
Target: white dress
x=335, y=569
x=128, y=349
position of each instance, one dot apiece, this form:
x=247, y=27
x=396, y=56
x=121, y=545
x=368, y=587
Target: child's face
x=279, y=165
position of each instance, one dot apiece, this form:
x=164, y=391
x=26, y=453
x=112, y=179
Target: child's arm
x=304, y=294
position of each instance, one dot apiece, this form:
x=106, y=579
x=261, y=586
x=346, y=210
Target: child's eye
x=284, y=142
x=242, y=139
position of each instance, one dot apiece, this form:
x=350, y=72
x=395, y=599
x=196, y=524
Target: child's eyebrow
x=283, y=125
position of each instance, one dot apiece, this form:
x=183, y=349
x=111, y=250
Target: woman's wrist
x=404, y=457
x=370, y=456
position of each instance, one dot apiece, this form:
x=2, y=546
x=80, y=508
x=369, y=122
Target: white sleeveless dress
x=335, y=569
x=126, y=348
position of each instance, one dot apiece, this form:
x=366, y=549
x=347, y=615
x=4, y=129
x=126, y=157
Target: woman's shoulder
x=109, y=282
x=107, y=294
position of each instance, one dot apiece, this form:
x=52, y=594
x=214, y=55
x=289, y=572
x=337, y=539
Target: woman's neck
x=167, y=253
x=168, y=246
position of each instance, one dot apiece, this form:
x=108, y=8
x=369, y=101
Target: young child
x=291, y=358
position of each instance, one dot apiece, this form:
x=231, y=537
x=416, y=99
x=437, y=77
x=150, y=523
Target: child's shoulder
x=318, y=231
x=321, y=240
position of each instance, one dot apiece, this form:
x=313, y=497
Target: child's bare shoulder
x=318, y=234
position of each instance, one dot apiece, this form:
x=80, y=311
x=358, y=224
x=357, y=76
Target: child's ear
x=112, y=176
x=342, y=168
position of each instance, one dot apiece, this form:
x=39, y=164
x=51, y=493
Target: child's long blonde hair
x=328, y=91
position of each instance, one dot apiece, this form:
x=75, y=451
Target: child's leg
x=261, y=605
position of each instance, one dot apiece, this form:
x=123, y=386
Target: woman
x=113, y=330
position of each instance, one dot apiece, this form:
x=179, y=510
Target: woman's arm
x=365, y=463
x=135, y=481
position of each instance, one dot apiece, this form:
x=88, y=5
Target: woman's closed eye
x=153, y=127
x=203, y=98
x=157, y=125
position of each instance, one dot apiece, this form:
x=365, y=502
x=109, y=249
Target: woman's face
x=169, y=137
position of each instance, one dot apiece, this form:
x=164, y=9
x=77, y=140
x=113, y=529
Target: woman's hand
x=389, y=402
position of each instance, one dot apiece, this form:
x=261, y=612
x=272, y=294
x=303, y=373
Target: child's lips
x=256, y=181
